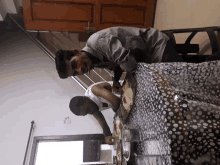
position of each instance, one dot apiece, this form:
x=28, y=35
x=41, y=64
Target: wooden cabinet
x=74, y=15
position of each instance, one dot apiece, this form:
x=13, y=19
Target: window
x=65, y=150
x=56, y=153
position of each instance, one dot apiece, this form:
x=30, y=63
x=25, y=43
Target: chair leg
x=214, y=41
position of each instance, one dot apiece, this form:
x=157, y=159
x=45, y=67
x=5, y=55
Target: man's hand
x=116, y=87
x=110, y=140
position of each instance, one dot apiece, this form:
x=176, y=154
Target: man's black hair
x=76, y=103
x=60, y=59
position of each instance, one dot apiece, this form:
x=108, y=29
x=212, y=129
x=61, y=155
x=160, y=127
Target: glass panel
x=56, y=153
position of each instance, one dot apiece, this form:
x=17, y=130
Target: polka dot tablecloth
x=177, y=109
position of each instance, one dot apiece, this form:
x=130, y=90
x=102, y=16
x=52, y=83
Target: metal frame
x=37, y=31
x=51, y=55
x=32, y=127
x=47, y=52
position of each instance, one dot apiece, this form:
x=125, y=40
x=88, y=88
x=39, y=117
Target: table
x=123, y=111
x=177, y=108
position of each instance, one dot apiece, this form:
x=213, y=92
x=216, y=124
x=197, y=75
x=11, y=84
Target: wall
x=178, y=14
x=31, y=90
x=7, y=6
x=19, y=2
x=3, y=11
x=1, y=17
x=18, y=5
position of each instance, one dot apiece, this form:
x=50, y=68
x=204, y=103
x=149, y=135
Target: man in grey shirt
x=118, y=49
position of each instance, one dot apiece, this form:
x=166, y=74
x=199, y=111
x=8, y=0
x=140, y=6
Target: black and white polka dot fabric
x=177, y=109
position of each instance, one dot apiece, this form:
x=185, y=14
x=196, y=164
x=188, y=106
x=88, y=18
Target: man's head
x=69, y=63
x=82, y=105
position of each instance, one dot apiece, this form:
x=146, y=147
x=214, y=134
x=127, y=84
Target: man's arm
x=117, y=73
x=100, y=90
x=105, y=85
x=114, y=49
x=100, y=118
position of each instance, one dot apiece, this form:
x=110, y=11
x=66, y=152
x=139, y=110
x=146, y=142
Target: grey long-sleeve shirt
x=116, y=44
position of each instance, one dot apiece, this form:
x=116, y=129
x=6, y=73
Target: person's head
x=82, y=105
x=69, y=63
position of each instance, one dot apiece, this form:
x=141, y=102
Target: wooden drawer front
x=62, y=12
x=117, y=14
